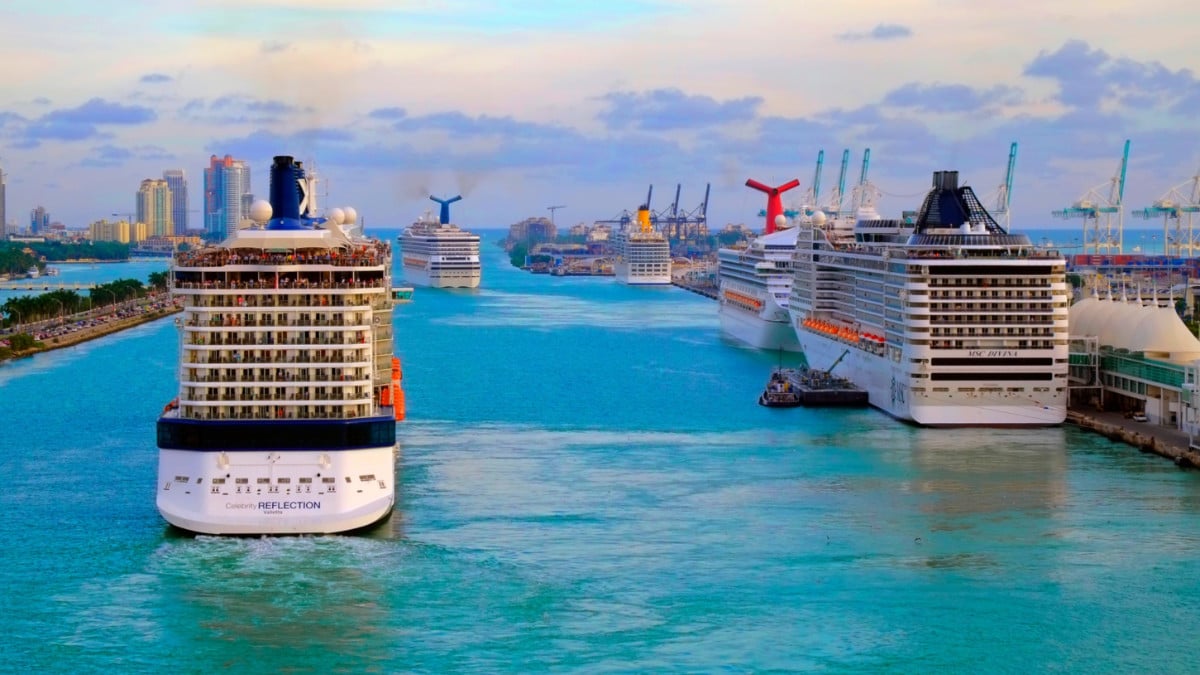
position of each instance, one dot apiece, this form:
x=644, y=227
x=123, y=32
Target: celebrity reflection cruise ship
x=642, y=255
x=289, y=393
x=950, y=321
x=438, y=254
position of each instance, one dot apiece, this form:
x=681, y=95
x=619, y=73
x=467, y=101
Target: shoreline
x=93, y=333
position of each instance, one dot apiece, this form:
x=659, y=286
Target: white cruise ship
x=289, y=393
x=753, y=294
x=642, y=255
x=438, y=254
x=949, y=321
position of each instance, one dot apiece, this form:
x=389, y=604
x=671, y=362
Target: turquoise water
x=586, y=483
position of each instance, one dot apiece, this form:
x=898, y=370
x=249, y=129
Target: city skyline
x=520, y=109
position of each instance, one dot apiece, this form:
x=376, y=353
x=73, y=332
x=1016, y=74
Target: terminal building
x=1135, y=355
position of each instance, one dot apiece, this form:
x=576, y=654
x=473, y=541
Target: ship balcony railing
x=292, y=286
x=288, y=379
x=215, y=399
x=376, y=253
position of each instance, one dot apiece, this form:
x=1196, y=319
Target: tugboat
x=779, y=392
x=790, y=387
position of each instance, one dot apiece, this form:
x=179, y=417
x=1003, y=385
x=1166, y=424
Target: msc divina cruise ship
x=289, y=393
x=438, y=254
x=951, y=321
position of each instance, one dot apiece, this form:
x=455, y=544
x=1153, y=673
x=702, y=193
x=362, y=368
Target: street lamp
x=105, y=290
x=60, y=308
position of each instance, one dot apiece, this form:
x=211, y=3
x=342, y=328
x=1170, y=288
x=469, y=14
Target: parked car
x=1140, y=417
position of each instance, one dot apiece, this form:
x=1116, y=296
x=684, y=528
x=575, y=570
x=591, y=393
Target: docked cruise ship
x=439, y=254
x=289, y=392
x=642, y=255
x=948, y=321
x=755, y=281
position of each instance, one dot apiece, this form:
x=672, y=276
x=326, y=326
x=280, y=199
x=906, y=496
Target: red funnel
x=774, y=202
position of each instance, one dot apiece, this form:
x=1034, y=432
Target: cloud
x=667, y=109
x=393, y=113
x=274, y=47
x=155, y=78
x=110, y=155
x=81, y=122
x=41, y=100
x=1088, y=77
x=883, y=31
x=100, y=111
x=107, y=155
x=239, y=109
x=950, y=98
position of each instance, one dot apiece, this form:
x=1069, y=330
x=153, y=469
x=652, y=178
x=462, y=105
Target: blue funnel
x=445, y=214
x=286, y=176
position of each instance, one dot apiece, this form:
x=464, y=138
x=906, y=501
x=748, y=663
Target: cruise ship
x=642, y=255
x=289, y=392
x=439, y=254
x=754, y=283
x=948, y=321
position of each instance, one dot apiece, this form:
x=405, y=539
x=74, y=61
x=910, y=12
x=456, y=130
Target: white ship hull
x=622, y=275
x=421, y=276
x=272, y=499
x=755, y=331
x=888, y=388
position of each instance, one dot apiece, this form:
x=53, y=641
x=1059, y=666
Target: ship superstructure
x=642, y=254
x=289, y=392
x=755, y=281
x=439, y=254
x=949, y=321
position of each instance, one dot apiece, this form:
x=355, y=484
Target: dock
x=789, y=387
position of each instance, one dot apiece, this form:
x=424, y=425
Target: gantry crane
x=1178, y=204
x=1103, y=217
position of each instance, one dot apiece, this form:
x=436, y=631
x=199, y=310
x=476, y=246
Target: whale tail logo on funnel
x=444, y=216
x=774, y=201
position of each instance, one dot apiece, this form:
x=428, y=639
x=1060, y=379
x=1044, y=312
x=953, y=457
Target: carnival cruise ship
x=948, y=321
x=753, y=294
x=642, y=255
x=289, y=392
x=438, y=254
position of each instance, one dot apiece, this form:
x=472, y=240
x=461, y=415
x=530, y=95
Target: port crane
x=552, y=209
x=808, y=205
x=1179, y=204
x=864, y=193
x=1103, y=216
x=834, y=206
x=1004, y=192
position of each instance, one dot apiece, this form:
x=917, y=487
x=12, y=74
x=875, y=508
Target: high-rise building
x=39, y=220
x=177, y=181
x=3, y=213
x=226, y=182
x=154, y=207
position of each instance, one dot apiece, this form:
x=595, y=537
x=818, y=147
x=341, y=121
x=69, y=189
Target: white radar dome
x=781, y=220
x=351, y=215
x=336, y=215
x=818, y=218
x=260, y=211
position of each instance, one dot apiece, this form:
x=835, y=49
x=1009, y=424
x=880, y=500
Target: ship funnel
x=643, y=218
x=949, y=206
x=945, y=180
x=445, y=214
x=286, y=189
x=774, y=202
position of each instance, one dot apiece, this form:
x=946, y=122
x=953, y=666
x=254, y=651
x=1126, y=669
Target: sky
x=519, y=106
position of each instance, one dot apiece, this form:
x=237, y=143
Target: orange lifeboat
x=396, y=391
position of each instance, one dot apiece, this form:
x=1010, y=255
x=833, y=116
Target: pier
x=1147, y=437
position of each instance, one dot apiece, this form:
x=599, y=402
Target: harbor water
x=586, y=483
